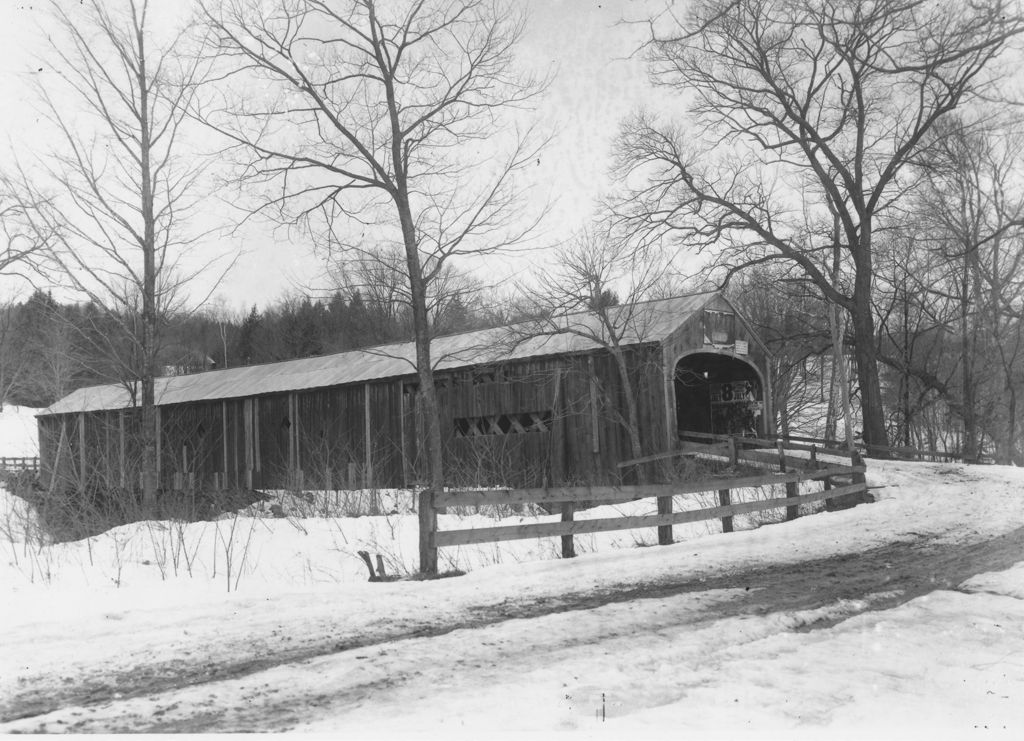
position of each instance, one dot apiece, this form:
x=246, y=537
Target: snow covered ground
x=904, y=616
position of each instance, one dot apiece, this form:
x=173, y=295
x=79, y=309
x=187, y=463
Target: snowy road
x=868, y=618
x=492, y=649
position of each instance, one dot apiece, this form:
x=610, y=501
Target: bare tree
x=358, y=112
x=791, y=321
x=804, y=108
x=115, y=193
x=972, y=209
x=595, y=290
x=379, y=274
x=19, y=245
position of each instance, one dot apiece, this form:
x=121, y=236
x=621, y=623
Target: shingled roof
x=652, y=321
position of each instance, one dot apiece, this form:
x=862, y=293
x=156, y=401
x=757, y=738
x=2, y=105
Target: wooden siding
x=191, y=445
x=276, y=427
x=331, y=445
x=534, y=422
x=484, y=413
x=688, y=338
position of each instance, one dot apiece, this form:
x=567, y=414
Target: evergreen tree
x=249, y=345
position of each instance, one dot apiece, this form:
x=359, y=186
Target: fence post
x=568, y=546
x=723, y=494
x=826, y=483
x=428, y=526
x=857, y=460
x=665, y=531
x=791, y=488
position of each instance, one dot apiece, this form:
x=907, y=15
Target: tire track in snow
x=890, y=575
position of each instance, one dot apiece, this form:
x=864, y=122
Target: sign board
x=734, y=391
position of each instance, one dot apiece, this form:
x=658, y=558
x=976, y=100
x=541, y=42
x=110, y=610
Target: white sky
x=597, y=83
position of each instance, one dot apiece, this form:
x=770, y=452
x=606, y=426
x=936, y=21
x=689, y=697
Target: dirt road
x=179, y=694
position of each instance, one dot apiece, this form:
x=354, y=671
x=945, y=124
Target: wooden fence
x=17, y=465
x=898, y=452
x=838, y=480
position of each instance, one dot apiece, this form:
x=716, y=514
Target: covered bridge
x=517, y=408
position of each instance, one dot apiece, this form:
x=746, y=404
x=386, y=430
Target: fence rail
x=837, y=447
x=16, y=465
x=837, y=481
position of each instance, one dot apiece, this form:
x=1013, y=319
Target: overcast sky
x=598, y=81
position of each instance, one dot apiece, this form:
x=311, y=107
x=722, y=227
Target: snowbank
x=169, y=595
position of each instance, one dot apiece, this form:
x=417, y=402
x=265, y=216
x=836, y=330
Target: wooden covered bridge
x=516, y=409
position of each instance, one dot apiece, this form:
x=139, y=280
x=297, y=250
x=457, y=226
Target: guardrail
x=899, y=452
x=791, y=472
x=17, y=465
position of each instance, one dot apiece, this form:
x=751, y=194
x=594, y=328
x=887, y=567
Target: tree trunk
x=632, y=418
x=421, y=331
x=1007, y=458
x=970, y=450
x=150, y=475
x=865, y=353
x=831, y=414
x=872, y=411
x=905, y=377
x=839, y=367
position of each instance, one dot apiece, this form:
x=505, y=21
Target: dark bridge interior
x=718, y=394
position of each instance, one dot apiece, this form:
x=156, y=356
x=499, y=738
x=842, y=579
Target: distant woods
x=49, y=348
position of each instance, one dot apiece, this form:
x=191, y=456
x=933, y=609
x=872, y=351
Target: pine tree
x=249, y=345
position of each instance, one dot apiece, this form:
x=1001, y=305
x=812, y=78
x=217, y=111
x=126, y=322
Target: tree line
x=49, y=348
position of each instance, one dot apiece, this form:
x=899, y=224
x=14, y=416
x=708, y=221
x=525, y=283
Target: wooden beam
x=224, y=439
x=296, y=436
x=292, y=425
x=716, y=451
x=595, y=427
x=665, y=536
x=557, y=437
x=367, y=420
x=120, y=441
x=568, y=546
x=158, y=415
x=476, y=497
x=81, y=450
x=547, y=529
x=792, y=511
x=400, y=385
x=655, y=457
x=256, y=453
x=107, y=455
x=427, y=512
x=765, y=443
x=724, y=498
x=247, y=440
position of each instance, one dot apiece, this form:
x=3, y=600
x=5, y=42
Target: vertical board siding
x=49, y=438
x=192, y=436
x=236, y=443
x=275, y=424
x=317, y=438
x=329, y=443
x=386, y=433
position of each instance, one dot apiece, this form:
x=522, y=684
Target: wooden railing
x=899, y=452
x=838, y=480
x=16, y=465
